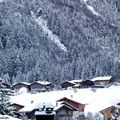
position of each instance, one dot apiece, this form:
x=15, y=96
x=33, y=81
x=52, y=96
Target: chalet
x=60, y=112
x=7, y=85
x=76, y=81
x=67, y=84
x=63, y=108
x=80, y=107
x=102, y=80
x=107, y=112
x=18, y=86
x=87, y=83
x=31, y=110
x=16, y=106
x=41, y=86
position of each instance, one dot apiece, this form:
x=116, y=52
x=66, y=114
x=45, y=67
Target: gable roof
x=68, y=82
x=106, y=78
x=106, y=109
x=76, y=81
x=65, y=106
x=45, y=83
x=24, y=83
x=35, y=105
x=65, y=98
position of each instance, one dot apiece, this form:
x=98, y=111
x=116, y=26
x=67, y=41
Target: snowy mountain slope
x=76, y=26
x=95, y=100
x=43, y=24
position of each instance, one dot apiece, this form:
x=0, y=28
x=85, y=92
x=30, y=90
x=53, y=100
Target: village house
x=78, y=106
x=17, y=106
x=102, y=80
x=31, y=110
x=63, y=108
x=109, y=112
x=6, y=85
x=72, y=83
x=41, y=86
x=60, y=112
x=77, y=83
x=17, y=86
x=87, y=83
x=67, y=84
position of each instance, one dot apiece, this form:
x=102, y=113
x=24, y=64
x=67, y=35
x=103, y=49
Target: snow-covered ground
x=7, y=117
x=94, y=100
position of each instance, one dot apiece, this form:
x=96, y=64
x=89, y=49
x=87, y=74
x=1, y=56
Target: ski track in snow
x=43, y=24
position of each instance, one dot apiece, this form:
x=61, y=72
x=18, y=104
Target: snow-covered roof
x=43, y=82
x=102, y=78
x=76, y=81
x=95, y=100
x=7, y=117
x=60, y=106
x=25, y=83
x=68, y=82
x=36, y=105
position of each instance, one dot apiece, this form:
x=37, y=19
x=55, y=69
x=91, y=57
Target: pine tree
x=5, y=108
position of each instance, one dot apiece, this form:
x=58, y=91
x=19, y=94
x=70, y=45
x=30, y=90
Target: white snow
x=95, y=101
x=36, y=105
x=76, y=81
x=43, y=82
x=6, y=117
x=43, y=24
x=23, y=90
x=25, y=83
x=102, y=78
x=85, y=1
x=1, y=0
x=93, y=10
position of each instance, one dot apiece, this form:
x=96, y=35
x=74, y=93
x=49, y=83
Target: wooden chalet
x=67, y=84
x=16, y=106
x=41, y=86
x=7, y=85
x=60, y=112
x=18, y=86
x=107, y=112
x=87, y=83
x=76, y=81
x=80, y=107
x=102, y=80
x=63, y=109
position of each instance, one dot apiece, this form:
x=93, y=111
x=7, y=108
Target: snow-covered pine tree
x=5, y=108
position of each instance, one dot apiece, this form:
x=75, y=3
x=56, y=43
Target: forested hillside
x=57, y=40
